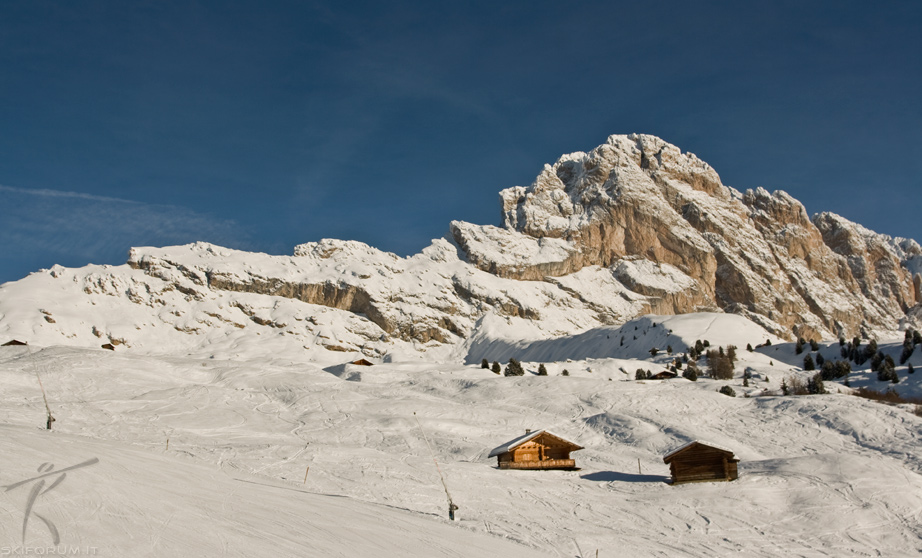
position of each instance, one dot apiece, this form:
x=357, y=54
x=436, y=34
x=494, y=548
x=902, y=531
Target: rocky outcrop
x=512, y=255
x=632, y=227
x=758, y=254
x=662, y=232
x=432, y=296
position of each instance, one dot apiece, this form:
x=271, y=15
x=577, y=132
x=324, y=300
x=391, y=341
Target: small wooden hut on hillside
x=701, y=462
x=536, y=450
x=14, y=343
x=362, y=362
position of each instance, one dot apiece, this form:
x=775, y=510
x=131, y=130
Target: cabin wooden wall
x=703, y=464
x=533, y=451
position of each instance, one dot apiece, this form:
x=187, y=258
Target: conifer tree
x=908, y=349
x=842, y=368
x=828, y=370
x=496, y=368
x=514, y=368
x=876, y=361
x=731, y=354
x=542, y=371
x=808, y=363
x=815, y=385
x=484, y=364
x=720, y=367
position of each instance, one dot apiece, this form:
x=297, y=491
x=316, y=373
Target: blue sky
x=261, y=125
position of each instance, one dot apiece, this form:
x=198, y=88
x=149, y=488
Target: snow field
x=831, y=475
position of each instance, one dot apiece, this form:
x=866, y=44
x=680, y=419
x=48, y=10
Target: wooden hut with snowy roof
x=536, y=450
x=699, y=461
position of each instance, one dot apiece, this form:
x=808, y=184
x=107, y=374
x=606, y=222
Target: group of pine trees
x=796, y=386
x=513, y=368
x=721, y=363
x=882, y=364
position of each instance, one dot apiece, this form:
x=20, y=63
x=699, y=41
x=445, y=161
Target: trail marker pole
x=451, y=505
x=44, y=397
x=305, y=475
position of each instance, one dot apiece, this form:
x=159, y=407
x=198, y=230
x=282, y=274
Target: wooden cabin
x=536, y=450
x=14, y=343
x=664, y=375
x=701, y=462
x=362, y=362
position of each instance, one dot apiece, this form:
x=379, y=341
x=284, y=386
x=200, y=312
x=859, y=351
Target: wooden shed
x=664, y=375
x=362, y=362
x=14, y=343
x=699, y=461
x=536, y=450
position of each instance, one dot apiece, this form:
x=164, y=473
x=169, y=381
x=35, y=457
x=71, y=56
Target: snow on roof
x=511, y=445
x=693, y=442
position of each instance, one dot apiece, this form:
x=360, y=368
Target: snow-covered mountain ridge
x=632, y=227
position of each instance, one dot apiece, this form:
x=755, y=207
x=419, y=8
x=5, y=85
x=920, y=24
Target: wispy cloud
x=75, y=227
x=45, y=193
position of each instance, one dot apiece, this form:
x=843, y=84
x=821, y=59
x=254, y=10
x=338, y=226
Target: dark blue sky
x=261, y=125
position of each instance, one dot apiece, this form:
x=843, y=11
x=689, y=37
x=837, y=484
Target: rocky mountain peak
x=757, y=253
x=632, y=227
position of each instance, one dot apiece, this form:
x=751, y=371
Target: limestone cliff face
x=758, y=253
x=632, y=227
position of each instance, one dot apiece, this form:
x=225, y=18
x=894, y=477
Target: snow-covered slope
x=134, y=501
x=496, y=339
x=208, y=456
